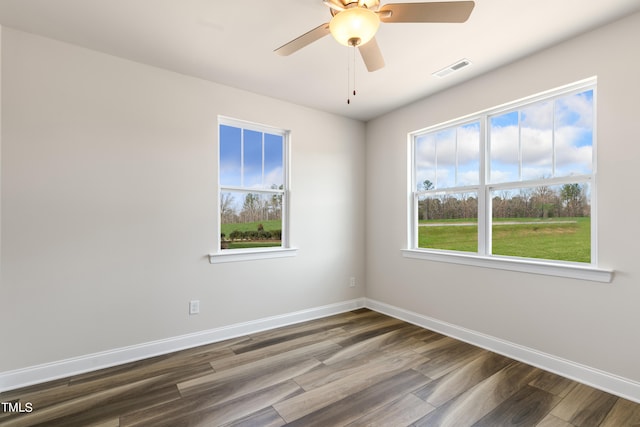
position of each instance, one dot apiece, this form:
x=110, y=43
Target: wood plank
x=554, y=384
x=584, y=406
x=113, y=422
x=371, y=341
x=401, y=412
x=623, y=413
x=481, y=399
x=375, y=325
x=553, y=421
x=118, y=405
x=365, y=319
x=345, y=411
x=447, y=357
x=325, y=374
x=56, y=414
x=267, y=417
x=206, y=410
x=453, y=384
x=289, y=333
x=226, y=385
x=320, y=397
x=159, y=387
x=526, y=407
x=322, y=340
x=254, y=367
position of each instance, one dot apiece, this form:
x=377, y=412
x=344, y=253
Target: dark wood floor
x=357, y=369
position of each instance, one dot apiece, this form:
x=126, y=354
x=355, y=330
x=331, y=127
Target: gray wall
x=109, y=187
x=588, y=323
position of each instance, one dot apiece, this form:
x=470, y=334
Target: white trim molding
x=523, y=265
x=596, y=378
x=251, y=254
x=91, y=362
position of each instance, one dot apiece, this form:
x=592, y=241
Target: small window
x=515, y=182
x=253, y=187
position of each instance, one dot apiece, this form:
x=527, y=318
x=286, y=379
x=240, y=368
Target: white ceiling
x=232, y=42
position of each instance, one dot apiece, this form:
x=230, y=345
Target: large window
x=253, y=187
x=515, y=182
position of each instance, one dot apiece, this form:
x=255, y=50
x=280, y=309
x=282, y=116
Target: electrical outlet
x=352, y=282
x=194, y=306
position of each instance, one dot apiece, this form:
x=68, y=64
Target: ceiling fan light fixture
x=354, y=26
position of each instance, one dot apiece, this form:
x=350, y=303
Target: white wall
x=588, y=323
x=109, y=205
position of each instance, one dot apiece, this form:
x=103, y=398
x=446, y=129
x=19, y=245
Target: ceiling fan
x=355, y=23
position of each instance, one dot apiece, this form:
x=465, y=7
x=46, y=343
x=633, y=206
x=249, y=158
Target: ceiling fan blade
x=304, y=40
x=334, y=4
x=454, y=11
x=371, y=55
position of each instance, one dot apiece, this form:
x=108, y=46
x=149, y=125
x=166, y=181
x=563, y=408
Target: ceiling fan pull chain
x=353, y=56
x=348, y=78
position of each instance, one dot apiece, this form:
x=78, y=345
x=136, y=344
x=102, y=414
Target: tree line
x=255, y=207
x=570, y=200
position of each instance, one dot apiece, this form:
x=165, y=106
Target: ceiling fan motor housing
x=354, y=26
x=369, y=4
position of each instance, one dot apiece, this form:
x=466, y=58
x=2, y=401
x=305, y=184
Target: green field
x=565, y=239
x=247, y=226
x=227, y=229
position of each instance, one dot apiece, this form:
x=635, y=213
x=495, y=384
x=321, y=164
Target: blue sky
x=250, y=159
x=563, y=126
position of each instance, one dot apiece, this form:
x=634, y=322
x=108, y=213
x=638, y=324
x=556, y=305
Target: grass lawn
x=248, y=226
x=566, y=239
x=254, y=244
x=272, y=225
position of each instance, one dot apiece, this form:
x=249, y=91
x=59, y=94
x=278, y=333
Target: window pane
x=252, y=172
x=504, y=139
x=230, y=155
x=548, y=222
x=448, y=158
x=536, y=137
x=425, y=162
x=250, y=220
x=574, y=134
x=273, y=161
x=469, y=154
x=445, y=158
x=448, y=222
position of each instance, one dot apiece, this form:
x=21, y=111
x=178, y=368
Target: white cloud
x=538, y=116
x=504, y=144
x=273, y=176
x=575, y=110
x=498, y=175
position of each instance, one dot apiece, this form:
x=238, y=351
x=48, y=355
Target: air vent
x=452, y=68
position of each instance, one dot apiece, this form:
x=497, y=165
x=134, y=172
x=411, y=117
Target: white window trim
x=235, y=255
x=523, y=265
x=585, y=271
x=251, y=254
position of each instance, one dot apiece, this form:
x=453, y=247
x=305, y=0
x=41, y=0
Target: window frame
x=483, y=257
x=285, y=249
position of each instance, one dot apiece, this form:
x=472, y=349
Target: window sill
x=251, y=254
x=574, y=271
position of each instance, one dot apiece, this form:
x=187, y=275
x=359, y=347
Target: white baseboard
x=64, y=368
x=605, y=381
